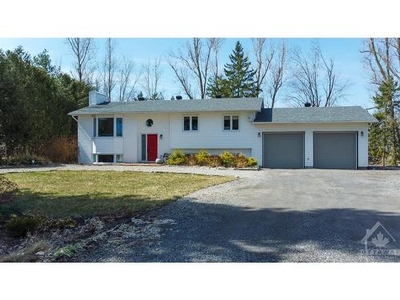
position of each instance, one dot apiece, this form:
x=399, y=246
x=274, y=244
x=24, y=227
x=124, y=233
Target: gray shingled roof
x=314, y=115
x=171, y=106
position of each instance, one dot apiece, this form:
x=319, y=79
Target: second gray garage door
x=335, y=150
x=283, y=150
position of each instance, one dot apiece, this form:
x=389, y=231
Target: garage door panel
x=335, y=150
x=284, y=150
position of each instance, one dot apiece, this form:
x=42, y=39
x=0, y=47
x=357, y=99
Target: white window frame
x=191, y=123
x=95, y=127
x=231, y=122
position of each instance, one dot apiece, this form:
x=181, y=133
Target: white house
x=141, y=131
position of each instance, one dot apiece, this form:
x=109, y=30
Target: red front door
x=152, y=147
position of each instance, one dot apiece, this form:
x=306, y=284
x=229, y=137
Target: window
x=119, y=126
x=235, y=122
x=105, y=126
x=186, y=123
x=227, y=122
x=190, y=123
x=195, y=123
x=105, y=158
x=231, y=122
x=94, y=127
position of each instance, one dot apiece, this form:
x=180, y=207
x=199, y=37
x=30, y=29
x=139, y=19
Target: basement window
x=105, y=158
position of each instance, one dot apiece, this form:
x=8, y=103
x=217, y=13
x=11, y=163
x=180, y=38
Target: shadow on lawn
x=224, y=233
x=78, y=206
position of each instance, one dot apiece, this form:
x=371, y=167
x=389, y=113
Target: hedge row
x=203, y=158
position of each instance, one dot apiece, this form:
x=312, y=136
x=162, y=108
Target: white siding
x=212, y=136
x=129, y=133
x=161, y=126
x=308, y=143
x=107, y=145
x=85, y=139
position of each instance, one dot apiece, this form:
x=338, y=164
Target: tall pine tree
x=239, y=79
x=384, y=141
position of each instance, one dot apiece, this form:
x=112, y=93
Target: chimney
x=307, y=104
x=96, y=98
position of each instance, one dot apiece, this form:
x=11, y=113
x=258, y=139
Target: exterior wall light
x=160, y=136
x=362, y=133
x=259, y=134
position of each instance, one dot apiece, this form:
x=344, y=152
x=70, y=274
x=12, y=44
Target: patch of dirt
x=70, y=244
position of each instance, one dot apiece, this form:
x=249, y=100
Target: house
x=379, y=237
x=141, y=131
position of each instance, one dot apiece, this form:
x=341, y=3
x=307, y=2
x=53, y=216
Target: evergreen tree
x=239, y=74
x=35, y=98
x=384, y=141
x=239, y=79
x=218, y=87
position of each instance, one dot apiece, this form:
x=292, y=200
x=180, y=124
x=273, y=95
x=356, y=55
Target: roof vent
x=307, y=104
x=179, y=97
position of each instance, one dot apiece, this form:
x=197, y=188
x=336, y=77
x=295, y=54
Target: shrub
x=214, y=161
x=7, y=188
x=251, y=162
x=67, y=251
x=177, y=157
x=20, y=226
x=227, y=159
x=62, y=150
x=240, y=160
x=203, y=158
x=191, y=160
x=27, y=159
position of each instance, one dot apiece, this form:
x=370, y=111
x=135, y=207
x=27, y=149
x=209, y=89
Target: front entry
x=149, y=147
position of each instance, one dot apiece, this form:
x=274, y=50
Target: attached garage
x=335, y=150
x=283, y=150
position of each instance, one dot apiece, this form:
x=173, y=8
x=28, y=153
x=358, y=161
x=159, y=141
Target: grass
x=59, y=194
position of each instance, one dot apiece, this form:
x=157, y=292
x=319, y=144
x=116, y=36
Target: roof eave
x=307, y=122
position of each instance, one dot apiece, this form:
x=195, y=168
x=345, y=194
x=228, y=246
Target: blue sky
x=344, y=51
x=152, y=28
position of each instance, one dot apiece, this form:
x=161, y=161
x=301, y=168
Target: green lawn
x=88, y=193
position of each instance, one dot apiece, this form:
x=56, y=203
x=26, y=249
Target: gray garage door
x=283, y=150
x=335, y=150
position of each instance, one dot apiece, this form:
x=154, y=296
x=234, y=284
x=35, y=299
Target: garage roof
x=171, y=106
x=314, y=115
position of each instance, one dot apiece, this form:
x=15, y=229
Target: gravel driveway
x=266, y=216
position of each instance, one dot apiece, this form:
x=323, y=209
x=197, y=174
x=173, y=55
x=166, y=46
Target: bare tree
x=275, y=81
x=110, y=67
x=194, y=63
x=127, y=80
x=263, y=60
x=382, y=57
x=83, y=50
x=150, y=81
x=315, y=80
x=216, y=47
